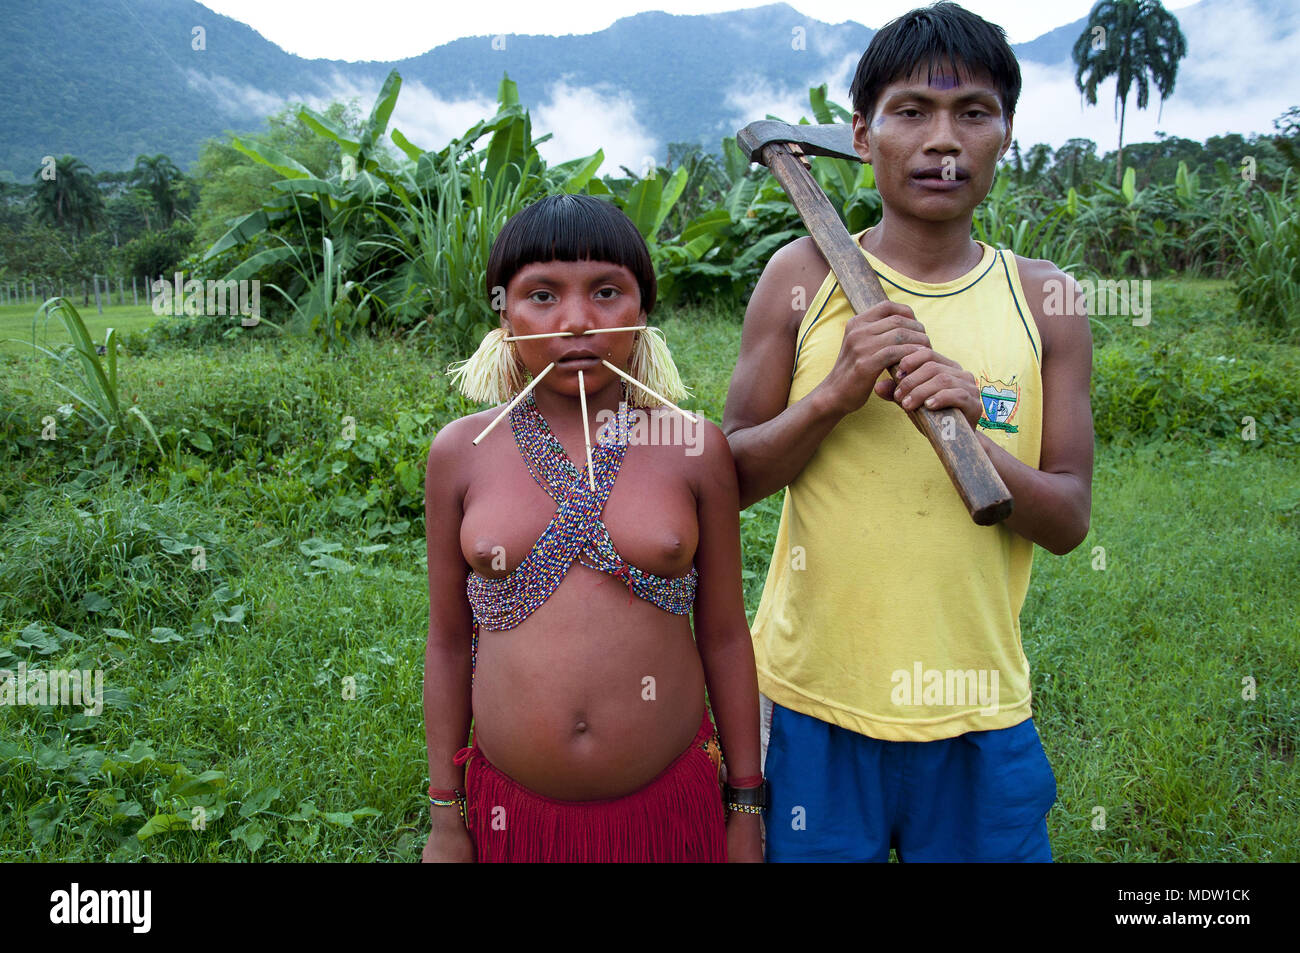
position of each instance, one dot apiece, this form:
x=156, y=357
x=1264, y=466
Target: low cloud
x=428, y=120
x=425, y=118
x=753, y=97
x=583, y=119
x=238, y=100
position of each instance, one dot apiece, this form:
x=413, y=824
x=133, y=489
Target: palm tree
x=158, y=176
x=69, y=198
x=1139, y=41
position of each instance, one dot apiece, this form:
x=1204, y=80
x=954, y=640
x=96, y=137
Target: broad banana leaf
x=672, y=191
x=574, y=175
x=251, y=266
x=244, y=230
x=399, y=140
x=287, y=166
x=318, y=123
x=642, y=205
x=711, y=223
x=377, y=124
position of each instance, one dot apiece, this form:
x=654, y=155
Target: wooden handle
x=981, y=488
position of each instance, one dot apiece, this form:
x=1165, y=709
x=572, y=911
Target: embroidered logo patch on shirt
x=1001, y=399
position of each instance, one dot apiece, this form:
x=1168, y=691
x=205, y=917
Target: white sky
x=394, y=29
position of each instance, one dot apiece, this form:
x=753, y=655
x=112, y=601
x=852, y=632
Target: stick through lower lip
x=508, y=407
x=586, y=431
x=650, y=391
x=572, y=334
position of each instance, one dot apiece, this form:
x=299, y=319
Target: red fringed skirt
x=677, y=817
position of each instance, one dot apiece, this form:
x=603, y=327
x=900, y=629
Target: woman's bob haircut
x=570, y=228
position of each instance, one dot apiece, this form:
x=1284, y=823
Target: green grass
x=240, y=669
x=16, y=322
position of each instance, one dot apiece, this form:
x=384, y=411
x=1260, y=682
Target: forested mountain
x=110, y=81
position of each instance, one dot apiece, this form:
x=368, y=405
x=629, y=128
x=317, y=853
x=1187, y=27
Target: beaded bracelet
x=748, y=795
x=441, y=798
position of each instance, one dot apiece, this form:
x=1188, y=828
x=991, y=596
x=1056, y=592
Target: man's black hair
x=571, y=228
x=931, y=35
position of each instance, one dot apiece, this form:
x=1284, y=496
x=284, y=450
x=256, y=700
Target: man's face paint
x=944, y=81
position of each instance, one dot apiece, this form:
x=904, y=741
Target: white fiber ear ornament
x=653, y=368
x=493, y=374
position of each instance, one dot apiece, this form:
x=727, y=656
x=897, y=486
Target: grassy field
x=1165, y=682
x=16, y=322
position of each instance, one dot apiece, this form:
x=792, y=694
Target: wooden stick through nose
x=571, y=334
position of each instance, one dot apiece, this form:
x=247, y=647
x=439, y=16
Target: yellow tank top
x=886, y=610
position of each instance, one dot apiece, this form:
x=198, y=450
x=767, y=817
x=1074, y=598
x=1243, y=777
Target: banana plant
x=456, y=201
x=1188, y=185
x=341, y=208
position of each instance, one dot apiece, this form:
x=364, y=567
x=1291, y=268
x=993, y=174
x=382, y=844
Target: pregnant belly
x=589, y=697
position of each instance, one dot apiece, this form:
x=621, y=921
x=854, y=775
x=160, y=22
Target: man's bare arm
x=1054, y=502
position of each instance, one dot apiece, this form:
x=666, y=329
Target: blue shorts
x=837, y=795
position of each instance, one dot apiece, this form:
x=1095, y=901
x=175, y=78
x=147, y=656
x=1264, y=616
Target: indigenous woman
x=564, y=560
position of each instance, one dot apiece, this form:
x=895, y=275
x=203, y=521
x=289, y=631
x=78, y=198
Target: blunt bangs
x=571, y=228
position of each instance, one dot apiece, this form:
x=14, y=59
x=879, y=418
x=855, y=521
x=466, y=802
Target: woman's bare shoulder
x=459, y=434
x=450, y=453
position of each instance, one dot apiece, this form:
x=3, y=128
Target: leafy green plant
x=335, y=219
x=1144, y=391
x=1008, y=218
x=456, y=202
x=99, y=392
x=331, y=306
x=1268, y=245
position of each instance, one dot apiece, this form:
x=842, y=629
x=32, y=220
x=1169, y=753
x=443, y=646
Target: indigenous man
x=895, y=690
